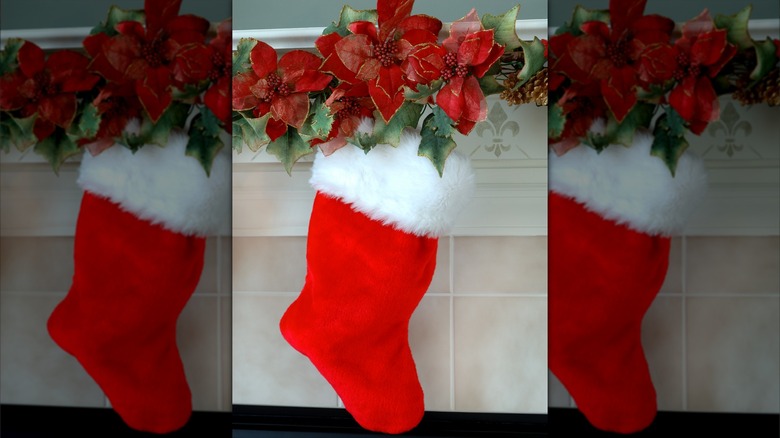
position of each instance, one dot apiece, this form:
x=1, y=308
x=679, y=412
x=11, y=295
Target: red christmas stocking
x=138, y=257
x=610, y=218
x=371, y=254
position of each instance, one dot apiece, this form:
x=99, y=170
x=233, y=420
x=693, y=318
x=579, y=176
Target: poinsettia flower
x=471, y=51
x=582, y=105
x=611, y=55
x=374, y=53
x=46, y=87
x=117, y=104
x=349, y=104
x=146, y=55
x=696, y=58
x=281, y=88
x=196, y=63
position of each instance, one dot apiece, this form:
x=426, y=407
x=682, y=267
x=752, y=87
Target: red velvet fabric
x=603, y=278
x=131, y=282
x=363, y=282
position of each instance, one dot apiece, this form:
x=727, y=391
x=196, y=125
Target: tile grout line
x=452, y=321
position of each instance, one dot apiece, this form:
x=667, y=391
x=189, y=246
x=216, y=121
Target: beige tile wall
x=33, y=370
x=712, y=336
x=479, y=345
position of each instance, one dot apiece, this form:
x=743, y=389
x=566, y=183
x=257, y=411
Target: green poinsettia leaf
x=319, y=122
x=89, y=122
x=440, y=123
x=504, y=28
x=348, y=16
x=16, y=132
x=669, y=141
x=157, y=133
x=289, y=148
x=623, y=132
x=250, y=131
x=8, y=56
x=766, y=58
x=556, y=121
x=204, y=143
x=583, y=15
x=117, y=15
x=490, y=85
x=56, y=148
x=736, y=27
x=407, y=116
x=533, y=53
x=434, y=146
x=241, y=61
x=424, y=91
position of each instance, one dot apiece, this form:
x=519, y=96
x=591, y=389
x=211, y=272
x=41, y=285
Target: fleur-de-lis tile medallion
x=495, y=131
x=729, y=127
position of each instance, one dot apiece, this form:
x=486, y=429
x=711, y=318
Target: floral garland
x=387, y=65
x=153, y=66
x=636, y=71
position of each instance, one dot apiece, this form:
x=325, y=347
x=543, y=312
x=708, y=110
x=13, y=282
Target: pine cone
x=766, y=90
x=535, y=90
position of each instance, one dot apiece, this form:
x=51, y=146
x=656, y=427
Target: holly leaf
x=89, y=122
x=251, y=131
x=582, y=15
x=8, y=56
x=504, y=28
x=623, y=132
x=289, y=148
x=490, y=85
x=117, y=15
x=533, y=53
x=736, y=27
x=424, y=91
x=241, y=60
x=56, y=148
x=319, y=123
x=441, y=124
x=556, y=121
x=765, y=57
x=434, y=146
x=348, y=16
x=204, y=143
x=157, y=133
x=16, y=132
x=407, y=116
x=669, y=141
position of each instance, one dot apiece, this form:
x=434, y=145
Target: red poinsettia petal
x=416, y=37
x=154, y=92
x=364, y=28
x=475, y=48
x=424, y=64
x=332, y=145
x=658, y=63
x=495, y=53
x=459, y=30
x=725, y=57
x=624, y=12
x=293, y=64
x=58, y=109
x=390, y=14
x=131, y=29
x=423, y=22
x=31, y=59
x=369, y=70
x=69, y=71
x=291, y=109
x=596, y=29
x=465, y=126
x=326, y=44
x=708, y=47
x=193, y=63
x=10, y=97
x=387, y=91
x=311, y=80
x=242, y=97
x=121, y=51
x=275, y=128
x=696, y=102
x=160, y=12
x=475, y=104
x=217, y=99
x=702, y=23
x=619, y=93
x=353, y=51
x=589, y=55
x=188, y=29
x=652, y=29
x=263, y=58
x=43, y=128
x=450, y=98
